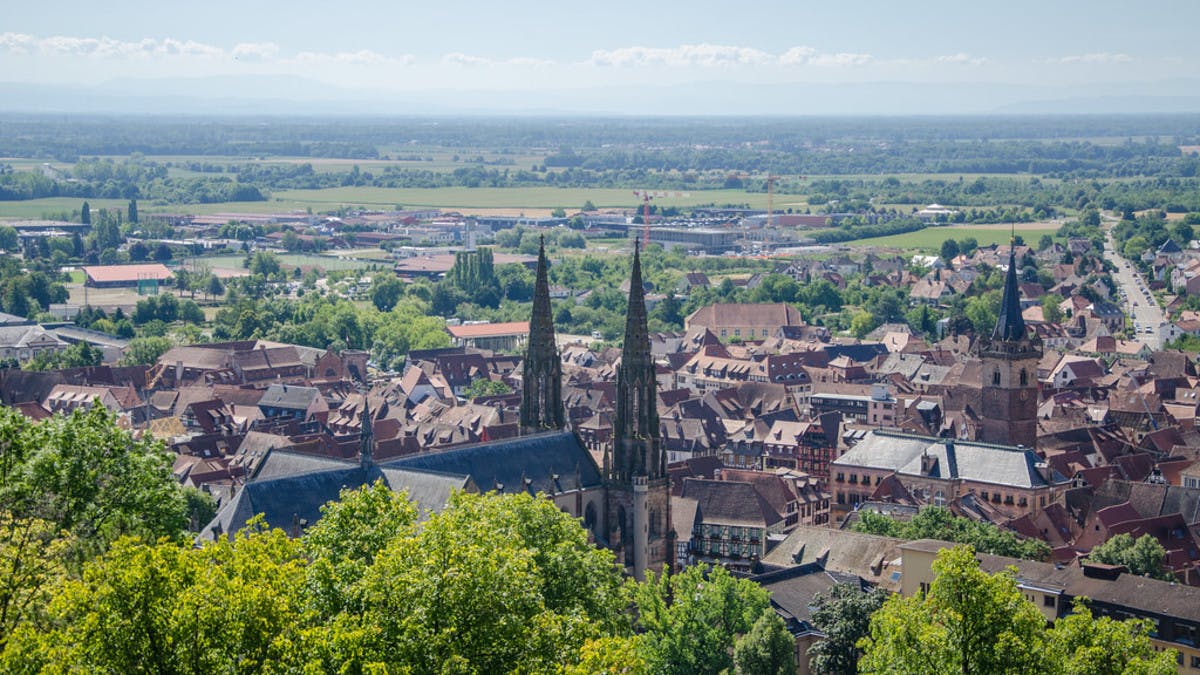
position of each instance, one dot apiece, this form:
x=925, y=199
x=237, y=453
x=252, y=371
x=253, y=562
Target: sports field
x=931, y=238
x=528, y=200
x=325, y=262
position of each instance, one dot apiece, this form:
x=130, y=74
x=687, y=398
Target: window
x=1048, y=601
x=1195, y=662
x=1024, y=378
x=996, y=379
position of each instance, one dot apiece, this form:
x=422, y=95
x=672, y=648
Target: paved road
x=1146, y=313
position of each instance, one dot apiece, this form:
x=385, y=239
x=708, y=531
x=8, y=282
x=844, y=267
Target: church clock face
x=1024, y=395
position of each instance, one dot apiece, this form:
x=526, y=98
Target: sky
x=567, y=46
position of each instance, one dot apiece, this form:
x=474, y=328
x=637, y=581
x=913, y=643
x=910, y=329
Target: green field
x=327, y=263
x=35, y=209
x=931, y=238
x=522, y=197
x=532, y=198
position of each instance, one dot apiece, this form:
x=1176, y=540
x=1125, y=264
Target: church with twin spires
x=637, y=507
x=623, y=501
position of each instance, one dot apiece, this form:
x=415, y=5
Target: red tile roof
x=489, y=329
x=132, y=273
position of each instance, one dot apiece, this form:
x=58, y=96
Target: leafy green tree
x=231, y=606
x=162, y=252
x=85, y=214
x=844, y=616
x=689, y=620
x=973, y=622
x=482, y=386
x=1135, y=246
x=8, y=239
x=87, y=476
x=949, y=250
x=968, y=622
x=558, y=212
x=190, y=312
x=491, y=584
x=144, y=351
x=214, y=287
x=386, y=291
x=1081, y=644
x=407, y=327
x=862, y=323
x=610, y=655
x=768, y=649
x=166, y=309
x=588, y=206
x=78, y=355
x=1143, y=556
x=344, y=543
x=133, y=211
x=264, y=263
x=1050, y=308
x=937, y=522
x=138, y=252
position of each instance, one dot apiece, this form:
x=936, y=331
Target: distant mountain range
x=283, y=95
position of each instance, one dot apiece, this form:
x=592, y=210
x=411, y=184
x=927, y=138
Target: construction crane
x=771, y=179
x=646, y=196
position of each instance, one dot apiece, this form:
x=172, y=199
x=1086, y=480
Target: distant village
x=752, y=439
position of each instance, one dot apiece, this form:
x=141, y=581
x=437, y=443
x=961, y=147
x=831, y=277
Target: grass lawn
x=931, y=238
x=327, y=263
x=528, y=197
x=34, y=209
x=535, y=199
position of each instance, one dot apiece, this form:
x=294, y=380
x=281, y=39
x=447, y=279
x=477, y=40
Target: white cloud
x=964, y=59
x=362, y=57
x=710, y=56
x=1098, y=57
x=17, y=43
x=701, y=55
x=466, y=60
x=472, y=61
x=150, y=48
x=255, y=51
x=105, y=47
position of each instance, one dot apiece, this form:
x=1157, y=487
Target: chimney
x=178, y=372
x=928, y=462
x=1045, y=472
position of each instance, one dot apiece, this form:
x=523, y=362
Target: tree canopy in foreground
x=491, y=584
x=974, y=622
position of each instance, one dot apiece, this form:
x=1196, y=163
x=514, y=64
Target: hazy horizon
x=616, y=58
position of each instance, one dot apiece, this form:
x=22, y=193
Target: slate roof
x=866, y=555
x=288, y=396
x=729, y=502
x=526, y=463
x=285, y=501
x=966, y=460
x=1010, y=325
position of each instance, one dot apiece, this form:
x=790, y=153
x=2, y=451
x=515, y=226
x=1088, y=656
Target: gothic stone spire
x=541, y=392
x=366, y=442
x=1010, y=325
x=635, y=431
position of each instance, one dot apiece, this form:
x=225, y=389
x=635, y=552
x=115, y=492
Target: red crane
x=646, y=196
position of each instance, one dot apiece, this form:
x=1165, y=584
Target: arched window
x=1024, y=378
x=996, y=378
x=589, y=517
